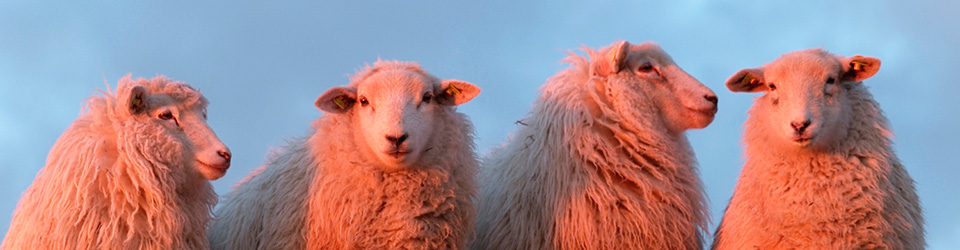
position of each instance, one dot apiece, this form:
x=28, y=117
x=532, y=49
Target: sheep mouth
x=803, y=140
x=218, y=167
x=705, y=111
x=397, y=154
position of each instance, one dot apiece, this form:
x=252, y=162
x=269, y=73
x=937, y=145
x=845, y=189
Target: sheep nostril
x=224, y=154
x=712, y=98
x=800, y=126
x=397, y=140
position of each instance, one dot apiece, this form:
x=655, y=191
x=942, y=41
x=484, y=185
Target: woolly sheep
x=602, y=161
x=130, y=173
x=390, y=165
x=820, y=171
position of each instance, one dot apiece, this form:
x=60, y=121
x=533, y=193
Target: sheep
x=601, y=161
x=820, y=170
x=389, y=165
x=130, y=173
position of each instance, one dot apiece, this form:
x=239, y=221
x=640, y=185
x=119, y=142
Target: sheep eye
x=427, y=97
x=831, y=80
x=772, y=87
x=165, y=115
x=364, y=102
x=646, y=68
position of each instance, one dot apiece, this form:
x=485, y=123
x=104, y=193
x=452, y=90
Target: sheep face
x=395, y=112
x=179, y=131
x=805, y=101
x=644, y=79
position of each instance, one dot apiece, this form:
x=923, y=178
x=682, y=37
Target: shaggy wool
x=324, y=192
x=845, y=190
x=598, y=163
x=116, y=180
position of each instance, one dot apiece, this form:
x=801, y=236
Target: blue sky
x=263, y=64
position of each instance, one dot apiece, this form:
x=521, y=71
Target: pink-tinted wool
x=835, y=184
x=123, y=179
x=335, y=190
x=602, y=161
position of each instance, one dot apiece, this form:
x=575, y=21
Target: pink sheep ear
x=747, y=80
x=137, y=100
x=337, y=100
x=859, y=68
x=456, y=92
x=613, y=61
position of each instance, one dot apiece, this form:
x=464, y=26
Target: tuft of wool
x=324, y=192
x=114, y=180
x=596, y=164
x=845, y=189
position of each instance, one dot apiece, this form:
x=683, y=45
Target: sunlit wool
x=601, y=161
x=834, y=184
x=121, y=178
x=338, y=189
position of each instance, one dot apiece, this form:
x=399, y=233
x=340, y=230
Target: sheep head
x=644, y=79
x=395, y=108
x=169, y=120
x=805, y=101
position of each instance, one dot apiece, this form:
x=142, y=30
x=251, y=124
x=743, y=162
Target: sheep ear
x=747, y=80
x=614, y=60
x=456, y=92
x=137, y=100
x=337, y=100
x=859, y=68
x=619, y=55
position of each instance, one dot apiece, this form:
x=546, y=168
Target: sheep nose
x=800, y=126
x=225, y=154
x=712, y=98
x=397, y=140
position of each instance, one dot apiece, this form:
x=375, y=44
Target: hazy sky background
x=262, y=65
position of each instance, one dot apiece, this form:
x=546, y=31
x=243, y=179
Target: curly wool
x=579, y=174
x=320, y=192
x=111, y=182
x=856, y=196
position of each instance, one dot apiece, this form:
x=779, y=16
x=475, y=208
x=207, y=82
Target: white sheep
x=602, y=161
x=390, y=165
x=130, y=173
x=820, y=171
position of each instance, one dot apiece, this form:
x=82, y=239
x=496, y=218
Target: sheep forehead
x=381, y=65
x=649, y=50
x=393, y=83
x=802, y=67
x=164, y=100
x=164, y=92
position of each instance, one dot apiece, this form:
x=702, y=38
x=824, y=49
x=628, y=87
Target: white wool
x=836, y=183
x=118, y=179
x=601, y=161
x=333, y=189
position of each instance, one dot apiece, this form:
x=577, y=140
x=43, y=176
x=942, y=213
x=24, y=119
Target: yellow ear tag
x=857, y=66
x=136, y=101
x=451, y=90
x=339, y=102
x=748, y=79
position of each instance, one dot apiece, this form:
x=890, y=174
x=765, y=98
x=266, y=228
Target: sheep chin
x=211, y=171
x=701, y=118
